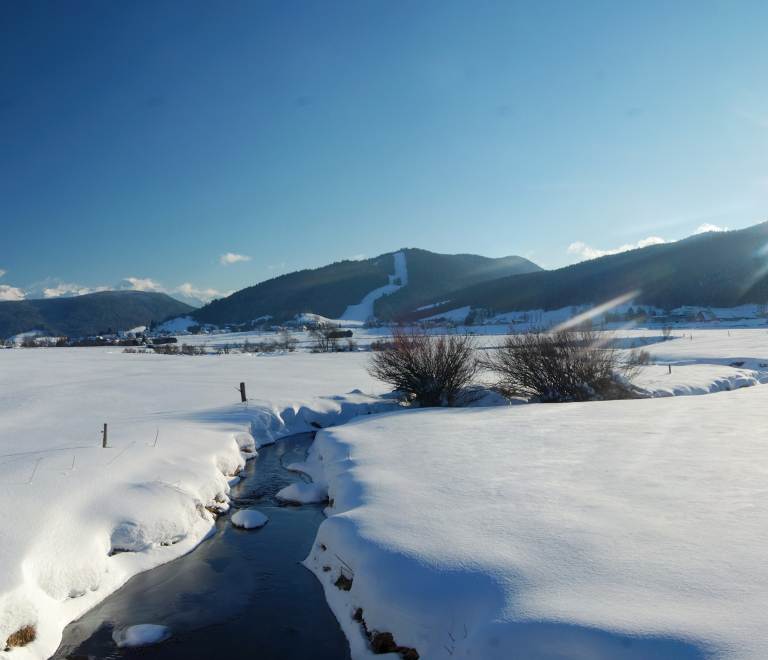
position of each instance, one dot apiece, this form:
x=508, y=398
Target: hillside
x=88, y=314
x=434, y=277
x=329, y=290
x=722, y=269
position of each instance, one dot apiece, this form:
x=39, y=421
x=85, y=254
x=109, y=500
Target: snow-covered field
x=629, y=529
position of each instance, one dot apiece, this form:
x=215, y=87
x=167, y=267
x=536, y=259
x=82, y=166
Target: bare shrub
x=666, y=331
x=286, y=340
x=325, y=338
x=166, y=349
x=557, y=365
x=380, y=344
x=433, y=370
x=343, y=582
x=22, y=637
x=351, y=345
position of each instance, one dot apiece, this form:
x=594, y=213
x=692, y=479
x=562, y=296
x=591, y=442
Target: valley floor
x=627, y=529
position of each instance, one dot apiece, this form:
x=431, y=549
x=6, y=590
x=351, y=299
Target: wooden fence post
x=104, y=444
x=242, y=392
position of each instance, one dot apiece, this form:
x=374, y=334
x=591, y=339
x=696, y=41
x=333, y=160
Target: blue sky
x=142, y=142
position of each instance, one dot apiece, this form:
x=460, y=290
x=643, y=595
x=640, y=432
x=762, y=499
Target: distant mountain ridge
x=88, y=314
x=329, y=290
x=715, y=269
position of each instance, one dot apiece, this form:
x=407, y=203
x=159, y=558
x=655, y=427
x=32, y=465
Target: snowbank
x=80, y=520
x=694, y=379
x=624, y=529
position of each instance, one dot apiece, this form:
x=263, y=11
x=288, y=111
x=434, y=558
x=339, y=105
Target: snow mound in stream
x=144, y=634
x=304, y=493
x=249, y=519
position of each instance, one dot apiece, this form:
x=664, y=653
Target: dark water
x=240, y=594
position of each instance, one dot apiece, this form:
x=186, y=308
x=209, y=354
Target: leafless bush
x=325, y=338
x=380, y=344
x=666, y=331
x=574, y=364
x=29, y=342
x=286, y=340
x=434, y=370
x=351, y=345
x=166, y=349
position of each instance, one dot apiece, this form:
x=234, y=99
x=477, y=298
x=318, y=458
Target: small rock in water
x=249, y=519
x=144, y=634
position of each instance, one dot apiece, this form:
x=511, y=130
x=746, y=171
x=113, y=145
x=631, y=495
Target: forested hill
x=716, y=269
x=434, y=277
x=329, y=290
x=89, y=314
x=326, y=291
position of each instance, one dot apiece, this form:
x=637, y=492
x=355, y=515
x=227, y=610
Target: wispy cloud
x=205, y=295
x=55, y=287
x=62, y=289
x=11, y=293
x=231, y=258
x=357, y=257
x=703, y=229
x=138, y=284
x=2, y=272
x=588, y=252
x=282, y=265
x=187, y=290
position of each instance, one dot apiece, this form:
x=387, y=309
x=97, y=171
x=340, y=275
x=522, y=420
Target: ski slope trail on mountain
x=364, y=309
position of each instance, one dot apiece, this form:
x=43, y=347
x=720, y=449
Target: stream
x=239, y=594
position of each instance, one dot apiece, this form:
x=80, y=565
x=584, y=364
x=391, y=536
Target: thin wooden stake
x=242, y=393
x=670, y=368
x=104, y=444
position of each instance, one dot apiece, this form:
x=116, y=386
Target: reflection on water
x=240, y=594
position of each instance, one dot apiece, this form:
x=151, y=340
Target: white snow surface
x=70, y=503
x=305, y=493
x=452, y=315
x=623, y=529
x=177, y=325
x=144, y=634
x=606, y=529
x=364, y=309
x=249, y=519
